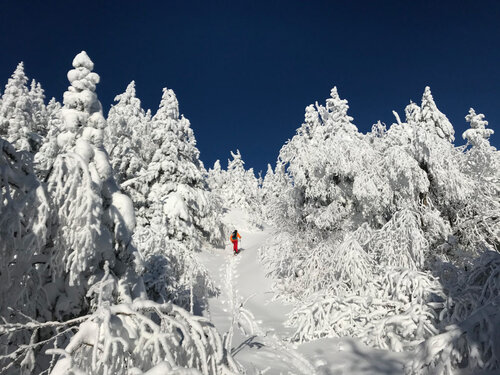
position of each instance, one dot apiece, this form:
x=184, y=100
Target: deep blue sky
x=244, y=71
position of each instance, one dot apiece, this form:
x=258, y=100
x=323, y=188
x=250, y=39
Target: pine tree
x=39, y=112
x=124, y=139
x=179, y=196
x=76, y=263
x=216, y=177
x=49, y=149
x=94, y=222
x=24, y=211
x=241, y=187
x=16, y=118
x=433, y=120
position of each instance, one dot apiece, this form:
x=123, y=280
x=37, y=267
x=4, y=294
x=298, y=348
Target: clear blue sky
x=244, y=71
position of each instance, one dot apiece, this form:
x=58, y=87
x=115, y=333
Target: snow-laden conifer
x=124, y=139
x=92, y=306
x=178, y=197
x=180, y=214
x=94, y=221
x=40, y=113
x=405, y=195
x=24, y=209
x=17, y=113
x=45, y=157
x=238, y=189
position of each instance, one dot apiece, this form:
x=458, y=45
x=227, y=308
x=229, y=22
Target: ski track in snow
x=258, y=333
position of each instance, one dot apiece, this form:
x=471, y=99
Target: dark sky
x=244, y=71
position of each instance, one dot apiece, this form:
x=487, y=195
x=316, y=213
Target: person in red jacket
x=234, y=239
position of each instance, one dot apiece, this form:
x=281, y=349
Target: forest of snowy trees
x=390, y=237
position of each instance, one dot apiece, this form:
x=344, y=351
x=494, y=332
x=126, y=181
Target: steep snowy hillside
x=247, y=309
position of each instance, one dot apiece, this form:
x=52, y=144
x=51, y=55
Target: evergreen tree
x=94, y=222
x=179, y=196
x=16, y=116
x=124, y=139
x=24, y=210
x=240, y=186
x=39, y=111
x=45, y=157
x=216, y=177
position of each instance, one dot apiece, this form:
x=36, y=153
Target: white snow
x=259, y=339
x=83, y=60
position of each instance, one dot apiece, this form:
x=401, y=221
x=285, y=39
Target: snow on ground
x=259, y=340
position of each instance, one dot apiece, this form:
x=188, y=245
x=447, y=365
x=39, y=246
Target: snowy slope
x=246, y=307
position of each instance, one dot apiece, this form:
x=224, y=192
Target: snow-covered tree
x=17, y=115
x=90, y=309
x=482, y=159
x=45, y=157
x=124, y=138
x=179, y=214
x=394, y=207
x=216, y=176
x=178, y=195
x=238, y=189
x=24, y=209
x=94, y=221
x=40, y=113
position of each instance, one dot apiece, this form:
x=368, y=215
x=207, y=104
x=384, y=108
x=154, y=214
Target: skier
x=234, y=239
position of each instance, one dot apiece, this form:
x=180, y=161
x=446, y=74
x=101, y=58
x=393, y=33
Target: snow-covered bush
x=401, y=241
x=138, y=335
x=470, y=339
x=373, y=231
x=172, y=271
x=395, y=309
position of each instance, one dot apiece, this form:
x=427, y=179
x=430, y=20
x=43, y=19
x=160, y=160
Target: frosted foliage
x=408, y=182
x=40, y=112
x=22, y=112
x=95, y=221
x=79, y=230
x=313, y=174
x=82, y=111
x=169, y=106
x=433, y=119
x=352, y=267
x=471, y=340
x=125, y=137
x=477, y=135
x=238, y=187
x=241, y=186
x=401, y=242
x=172, y=271
x=178, y=196
x=275, y=188
x=483, y=160
x=23, y=211
x=139, y=335
x=215, y=177
x=394, y=312
x=336, y=111
x=366, y=221
x=45, y=157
